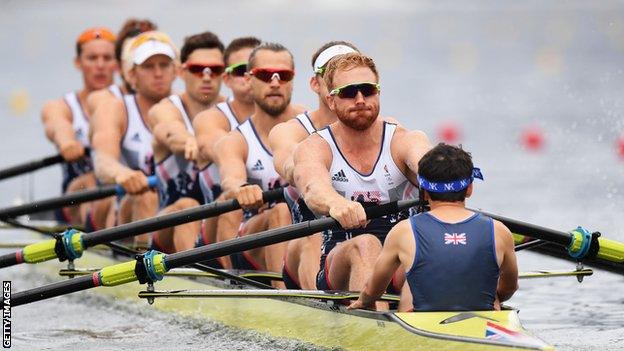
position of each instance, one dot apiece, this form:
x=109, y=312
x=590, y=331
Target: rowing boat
x=318, y=318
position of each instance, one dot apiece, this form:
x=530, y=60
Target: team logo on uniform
x=79, y=133
x=340, y=176
x=258, y=166
x=454, y=239
x=136, y=137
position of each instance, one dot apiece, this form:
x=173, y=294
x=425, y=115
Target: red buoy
x=449, y=132
x=620, y=147
x=532, y=138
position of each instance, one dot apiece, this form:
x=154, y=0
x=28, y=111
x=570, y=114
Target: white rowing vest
x=227, y=110
x=209, y=178
x=115, y=90
x=291, y=194
x=384, y=184
x=136, y=145
x=80, y=125
x=260, y=168
x=177, y=177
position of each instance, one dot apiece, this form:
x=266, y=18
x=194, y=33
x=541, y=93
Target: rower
x=301, y=262
x=246, y=162
x=455, y=259
x=120, y=136
x=214, y=123
x=175, y=147
x=67, y=124
x=130, y=29
x=100, y=214
x=359, y=160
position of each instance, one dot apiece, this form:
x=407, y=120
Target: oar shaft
x=30, y=166
x=532, y=230
x=70, y=199
x=273, y=236
x=212, y=209
x=55, y=289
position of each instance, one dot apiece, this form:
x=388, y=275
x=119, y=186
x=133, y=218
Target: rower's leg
x=351, y=263
x=256, y=224
x=227, y=228
x=302, y=260
x=101, y=212
x=144, y=206
x=77, y=214
x=278, y=216
x=181, y=237
x=185, y=235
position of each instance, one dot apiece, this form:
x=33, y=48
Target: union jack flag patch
x=454, y=239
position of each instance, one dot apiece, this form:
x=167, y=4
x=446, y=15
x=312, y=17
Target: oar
x=32, y=166
x=70, y=199
x=72, y=243
x=151, y=266
x=579, y=243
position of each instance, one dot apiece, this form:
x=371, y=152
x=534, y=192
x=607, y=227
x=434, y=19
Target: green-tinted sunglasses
x=237, y=69
x=350, y=91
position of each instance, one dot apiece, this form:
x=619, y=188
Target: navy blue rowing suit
x=455, y=266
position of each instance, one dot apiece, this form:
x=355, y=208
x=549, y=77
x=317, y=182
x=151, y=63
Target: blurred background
x=534, y=89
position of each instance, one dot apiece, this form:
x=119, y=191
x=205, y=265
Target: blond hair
x=347, y=62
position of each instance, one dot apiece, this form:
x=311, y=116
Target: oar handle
x=152, y=182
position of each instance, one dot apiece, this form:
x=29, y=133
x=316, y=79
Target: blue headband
x=449, y=187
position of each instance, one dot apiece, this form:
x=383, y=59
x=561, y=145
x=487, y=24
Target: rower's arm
x=210, y=126
x=508, y=279
x=231, y=153
x=312, y=160
x=96, y=98
x=387, y=264
x=170, y=131
x=57, y=120
x=409, y=147
x=283, y=140
x=108, y=124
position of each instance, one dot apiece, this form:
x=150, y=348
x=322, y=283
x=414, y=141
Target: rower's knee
x=185, y=203
x=363, y=247
x=279, y=216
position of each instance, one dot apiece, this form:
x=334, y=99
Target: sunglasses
x=268, y=74
x=199, y=69
x=350, y=91
x=237, y=69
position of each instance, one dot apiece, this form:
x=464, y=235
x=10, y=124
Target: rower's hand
x=359, y=304
x=190, y=149
x=133, y=181
x=249, y=196
x=72, y=150
x=350, y=214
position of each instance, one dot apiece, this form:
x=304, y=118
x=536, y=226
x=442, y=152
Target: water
x=493, y=68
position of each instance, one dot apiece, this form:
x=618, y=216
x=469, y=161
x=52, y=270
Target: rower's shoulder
x=55, y=107
x=401, y=232
x=288, y=130
x=211, y=116
x=163, y=111
x=298, y=109
x=502, y=232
